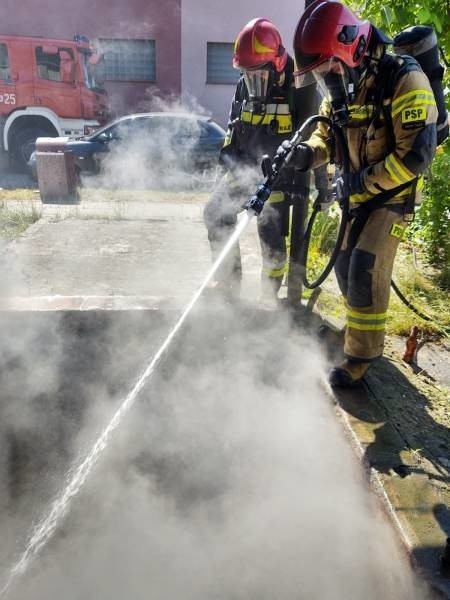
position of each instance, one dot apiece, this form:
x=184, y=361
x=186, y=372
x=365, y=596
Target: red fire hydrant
x=411, y=345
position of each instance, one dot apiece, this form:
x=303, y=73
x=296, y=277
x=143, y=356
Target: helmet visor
x=326, y=74
x=331, y=75
x=258, y=82
x=333, y=79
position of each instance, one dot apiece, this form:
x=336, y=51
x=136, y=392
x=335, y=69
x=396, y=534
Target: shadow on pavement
x=401, y=419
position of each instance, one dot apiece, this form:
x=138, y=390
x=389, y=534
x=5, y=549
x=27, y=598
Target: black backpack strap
x=363, y=211
x=408, y=214
x=359, y=216
x=387, y=74
x=380, y=200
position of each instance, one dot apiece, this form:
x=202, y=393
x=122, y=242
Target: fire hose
x=341, y=150
x=272, y=170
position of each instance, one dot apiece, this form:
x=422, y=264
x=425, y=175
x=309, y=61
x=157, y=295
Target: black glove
x=349, y=184
x=302, y=157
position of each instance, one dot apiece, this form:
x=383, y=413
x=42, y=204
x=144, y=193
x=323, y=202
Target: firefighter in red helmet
x=391, y=141
x=263, y=114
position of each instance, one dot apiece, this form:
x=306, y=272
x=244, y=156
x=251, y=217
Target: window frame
x=218, y=81
x=106, y=45
x=39, y=50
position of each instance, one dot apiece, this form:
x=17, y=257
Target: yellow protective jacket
x=392, y=145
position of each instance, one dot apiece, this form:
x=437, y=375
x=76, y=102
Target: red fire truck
x=48, y=88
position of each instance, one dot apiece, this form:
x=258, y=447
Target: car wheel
x=23, y=145
x=203, y=179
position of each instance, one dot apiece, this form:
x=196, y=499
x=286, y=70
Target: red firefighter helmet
x=258, y=44
x=328, y=29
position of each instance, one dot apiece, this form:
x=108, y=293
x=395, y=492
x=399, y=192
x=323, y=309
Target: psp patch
x=398, y=231
x=414, y=117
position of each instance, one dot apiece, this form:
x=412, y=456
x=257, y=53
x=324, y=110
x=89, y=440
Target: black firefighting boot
x=348, y=374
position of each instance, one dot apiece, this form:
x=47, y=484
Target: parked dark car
x=155, y=147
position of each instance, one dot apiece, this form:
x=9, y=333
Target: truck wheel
x=23, y=145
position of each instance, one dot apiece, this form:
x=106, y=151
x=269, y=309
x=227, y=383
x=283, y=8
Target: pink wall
x=220, y=21
x=109, y=19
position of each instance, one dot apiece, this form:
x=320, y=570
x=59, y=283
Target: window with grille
x=219, y=63
x=129, y=60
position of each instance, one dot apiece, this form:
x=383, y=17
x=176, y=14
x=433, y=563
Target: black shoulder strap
x=381, y=198
x=388, y=69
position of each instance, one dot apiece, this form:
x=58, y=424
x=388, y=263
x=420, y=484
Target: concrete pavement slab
x=153, y=251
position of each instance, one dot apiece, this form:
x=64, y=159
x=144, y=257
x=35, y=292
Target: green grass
x=103, y=194
x=19, y=195
x=417, y=281
x=15, y=220
x=322, y=242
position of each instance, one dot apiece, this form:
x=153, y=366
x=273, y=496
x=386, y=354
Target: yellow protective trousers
x=364, y=270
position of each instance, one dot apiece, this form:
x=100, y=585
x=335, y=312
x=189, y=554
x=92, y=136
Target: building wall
x=180, y=28
x=130, y=19
x=218, y=21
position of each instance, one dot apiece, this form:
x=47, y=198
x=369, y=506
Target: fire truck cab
x=48, y=87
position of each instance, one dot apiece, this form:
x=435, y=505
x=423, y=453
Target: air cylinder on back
x=421, y=43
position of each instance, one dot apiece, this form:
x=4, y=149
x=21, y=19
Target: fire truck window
x=48, y=65
x=5, y=72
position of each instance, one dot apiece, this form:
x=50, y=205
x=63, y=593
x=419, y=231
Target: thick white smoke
x=161, y=157
x=230, y=479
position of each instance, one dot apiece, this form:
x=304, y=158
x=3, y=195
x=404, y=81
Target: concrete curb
x=403, y=499
x=86, y=303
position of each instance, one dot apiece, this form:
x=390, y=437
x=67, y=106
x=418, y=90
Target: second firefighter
x=262, y=116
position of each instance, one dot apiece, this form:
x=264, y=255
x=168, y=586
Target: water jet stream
x=77, y=476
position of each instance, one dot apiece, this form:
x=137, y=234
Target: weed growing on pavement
x=14, y=220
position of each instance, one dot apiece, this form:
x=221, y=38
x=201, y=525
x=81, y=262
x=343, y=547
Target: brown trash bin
x=56, y=174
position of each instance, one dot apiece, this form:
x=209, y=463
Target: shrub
x=431, y=228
